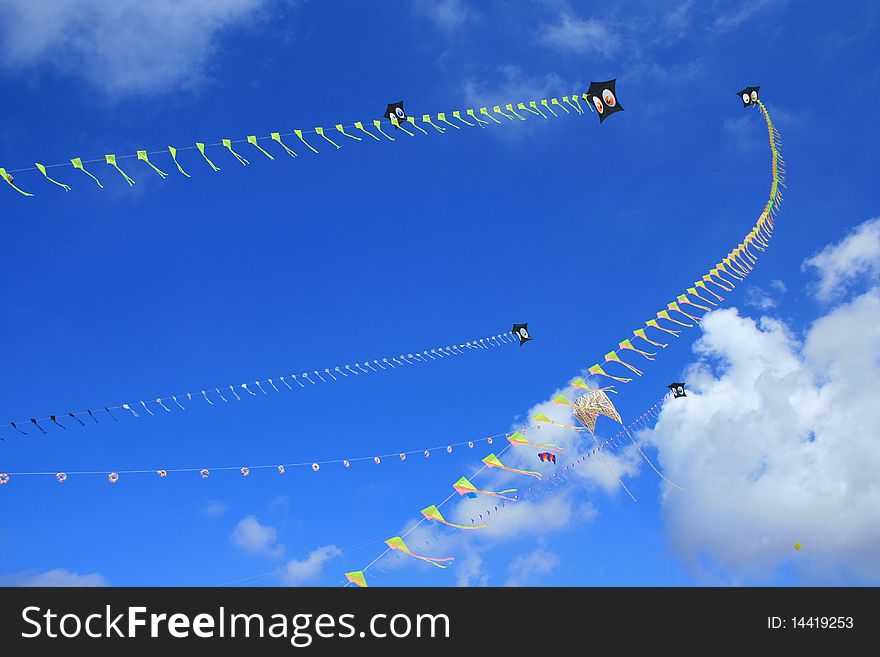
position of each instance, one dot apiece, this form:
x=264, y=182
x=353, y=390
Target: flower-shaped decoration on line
x=113, y=477
x=346, y=463
x=162, y=473
x=449, y=450
x=470, y=444
x=427, y=453
x=280, y=469
x=315, y=467
x=403, y=457
x=4, y=478
x=377, y=460
x=204, y=473
x=245, y=472
x=61, y=477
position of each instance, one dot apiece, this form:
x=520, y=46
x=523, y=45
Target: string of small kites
x=588, y=407
x=290, y=382
x=600, y=95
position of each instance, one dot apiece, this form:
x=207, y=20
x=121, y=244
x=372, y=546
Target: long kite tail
x=649, y=462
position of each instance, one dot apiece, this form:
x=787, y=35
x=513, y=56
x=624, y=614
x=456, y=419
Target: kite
x=492, y=461
x=517, y=438
x=603, y=97
x=211, y=396
x=396, y=543
x=749, y=95
x=544, y=457
x=357, y=577
x=798, y=546
x=677, y=389
x=433, y=513
x=396, y=114
x=465, y=487
x=522, y=332
x=356, y=131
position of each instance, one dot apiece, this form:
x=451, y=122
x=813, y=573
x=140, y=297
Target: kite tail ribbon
x=518, y=439
x=173, y=152
x=433, y=513
x=320, y=131
x=78, y=164
x=228, y=144
x=9, y=182
x=484, y=111
x=655, y=324
x=597, y=370
x=580, y=383
x=143, y=157
x=396, y=543
x=612, y=357
x=465, y=487
x=111, y=160
x=378, y=125
x=640, y=333
x=683, y=298
x=540, y=417
x=42, y=170
x=674, y=306
x=493, y=462
x=665, y=315
x=627, y=344
x=201, y=147
x=299, y=133
x=252, y=140
x=276, y=136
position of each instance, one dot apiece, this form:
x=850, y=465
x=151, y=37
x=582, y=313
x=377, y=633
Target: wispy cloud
x=448, y=15
x=56, y=577
x=302, y=571
x=252, y=536
x=213, y=508
x=744, y=12
x=758, y=297
x=855, y=257
x=123, y=47
x=527, y=568
x=579, y=35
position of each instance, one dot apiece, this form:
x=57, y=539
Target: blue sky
x=376, y=249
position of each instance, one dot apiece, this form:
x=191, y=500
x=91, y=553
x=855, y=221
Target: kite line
x=737, y=264
x=163, y=159
x=223, y=394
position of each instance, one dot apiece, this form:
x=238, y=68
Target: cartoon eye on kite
x=396, y=110
x=204, y=474
x=677, y=389
x=162, y=473
x=4, y=478
x=427, y=453
x=749, y=95
x=346, y=464
x=449, y=450
x=61, y=477
x=113, y=477
x=403, y=457
x=245, y=472
x=470, y=445
x=522, y=332
x=315, y=467
x=604, y=97
x=377, y=460
x=280, y=469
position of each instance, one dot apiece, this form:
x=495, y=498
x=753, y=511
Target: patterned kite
x=396, y=543
x=465, y=487
x=493, y=462
x=433, y=513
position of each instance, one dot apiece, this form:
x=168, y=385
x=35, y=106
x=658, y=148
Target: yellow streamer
x=252, y=140
x=442, y=117
x=143, y=157
x=320, y=131
x=360, y=126
x=427, y=119
x=9, y=182
x=78, y=164
x=398, y=125
x=42, y=170
x=378, y=125
x=228, y=144
x=299, y=134
x=173, y=152
x=111, y=160
x=201, y=147
x=457, y=115
x=276, y=136
x=485, y=111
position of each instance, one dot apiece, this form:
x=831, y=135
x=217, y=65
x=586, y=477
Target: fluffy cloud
x=579, y=35
x=857, y=256
x=448, y=15
x=301, y=571
x=57, y=577
x=252, y=536
x=123, y=47
x=526, y=568
x=762, y=299
x=776, y=444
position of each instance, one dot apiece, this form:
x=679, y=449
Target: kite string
x=438, y=353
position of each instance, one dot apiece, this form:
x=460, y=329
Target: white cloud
x=448, y=15
x=776, y=444
x=123, y=47
x=526, y=568
x=512, y=85
x=252, y=536
x=579, y=35
x=301, y=571
x=856, y=256
x=762, y=299
x=214, y=508
x=57, y=577
x=744, y=12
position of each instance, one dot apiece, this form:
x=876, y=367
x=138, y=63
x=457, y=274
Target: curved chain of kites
x=437, y=123
x=170, y=403
x=737, y=264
